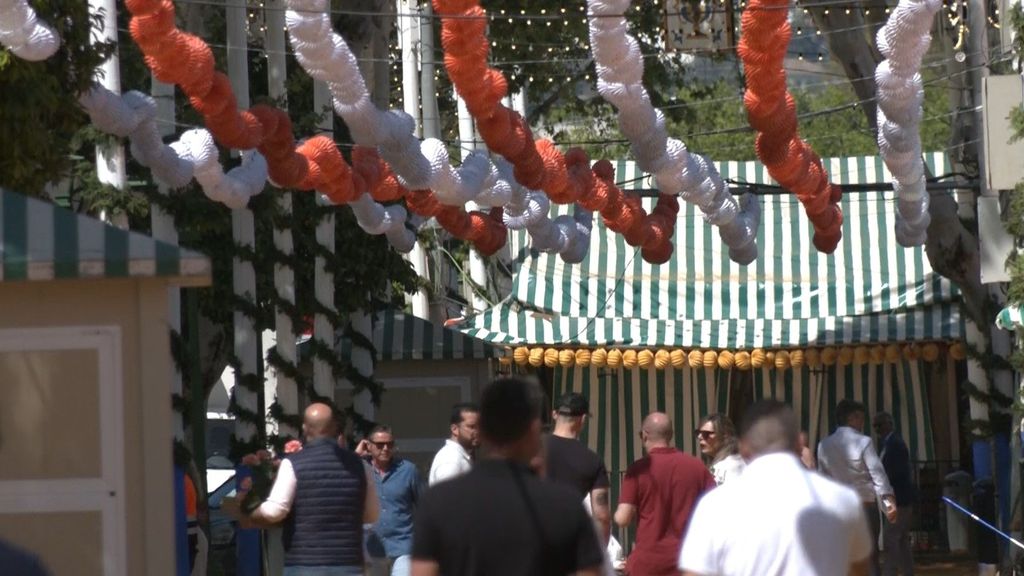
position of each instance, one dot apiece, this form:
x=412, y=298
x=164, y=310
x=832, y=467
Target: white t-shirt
x=728, y=468
x=450, y=461
x=777, y=519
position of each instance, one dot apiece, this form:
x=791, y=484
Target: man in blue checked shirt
x=398, y=483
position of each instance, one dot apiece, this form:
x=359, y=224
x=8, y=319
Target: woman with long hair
x=716, y=436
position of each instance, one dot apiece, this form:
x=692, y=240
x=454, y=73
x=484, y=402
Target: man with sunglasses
x=399, y=485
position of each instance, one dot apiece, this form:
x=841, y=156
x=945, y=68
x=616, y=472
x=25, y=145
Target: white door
x=62, y=449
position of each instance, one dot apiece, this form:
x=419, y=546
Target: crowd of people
x=504, y=497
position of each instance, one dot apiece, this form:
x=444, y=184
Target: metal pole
x=110, y=167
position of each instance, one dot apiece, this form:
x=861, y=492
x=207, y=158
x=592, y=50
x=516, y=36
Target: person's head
x=656, y=431
x=883, y=424
x=510, y=418
x=319, y=421
x=769, y=426
x=571, y=412
x=716, y=437
x=851, y=413
x=382, y=446
x=465, y=425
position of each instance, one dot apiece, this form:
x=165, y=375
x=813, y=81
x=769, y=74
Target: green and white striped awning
x=43, y=241
x=401, y=336
x=870, y=290
x=1010, y=318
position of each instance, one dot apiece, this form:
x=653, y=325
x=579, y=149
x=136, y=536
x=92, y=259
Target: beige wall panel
x=68, y=542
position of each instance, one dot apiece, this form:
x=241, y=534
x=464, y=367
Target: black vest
x=325, y=526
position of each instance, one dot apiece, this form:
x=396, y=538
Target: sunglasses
x=703, y=434
x=383, y=445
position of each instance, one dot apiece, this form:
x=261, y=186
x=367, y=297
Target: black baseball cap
x=573, y=404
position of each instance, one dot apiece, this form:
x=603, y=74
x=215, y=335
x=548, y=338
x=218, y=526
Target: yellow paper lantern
x=930, y=352
x=812, y=356
x=797, y=359
x=566, y=358
x=551, y=357
x=861, y=355
x=521, y=355
x=757, y=358
x=957, y=351
x=782, y=360
x=662, y=359
x=583, y=357
x=829, y=356
x=911, y=353
x=845, y=357
x=537, y=357
x=769, y=358
x=615, y=359
x=710, y=359
x=742, y=360
x=678, y=358
x=645, y=358
x=629, y=359
x=877, y=354
x=893, y=354
x=695, y=359
x=505, y=360
x=599, y=358
x=726, y=360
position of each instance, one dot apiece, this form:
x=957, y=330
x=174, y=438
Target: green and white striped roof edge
x=401, y=336
x=1010, y=318
x=42, y=241
x=870, y=290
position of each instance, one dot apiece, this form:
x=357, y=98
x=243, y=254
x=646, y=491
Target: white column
x=243, y=229
x=477, y=264
x=323, y=326
x=110, y=167
x=164, y=229
x=428, y=86
x=278, y=384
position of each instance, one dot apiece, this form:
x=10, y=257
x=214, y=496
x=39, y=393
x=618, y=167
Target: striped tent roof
x=401, y=336
x=43, y=241
x=870, y=290
x=1011, y=317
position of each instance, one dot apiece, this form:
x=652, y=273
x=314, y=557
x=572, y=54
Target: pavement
x=945, y=565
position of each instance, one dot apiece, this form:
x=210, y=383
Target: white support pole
x=362, y=362
x=428, y=85
x=323, y=326
x=243, y=230
x=477, y=264
x=278, y=384
x=408, y=34
x=110, y=168
x=164, y=229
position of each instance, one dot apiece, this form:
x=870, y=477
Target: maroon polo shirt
x=664, y=486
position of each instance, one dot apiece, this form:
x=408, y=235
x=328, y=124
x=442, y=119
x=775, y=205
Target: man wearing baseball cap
x=570, y=462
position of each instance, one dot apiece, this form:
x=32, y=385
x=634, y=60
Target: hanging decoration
x=133, y=114
x=538, y=164
x=22, y=33
x=676, y=170
x=903, y=41
x=771, y=111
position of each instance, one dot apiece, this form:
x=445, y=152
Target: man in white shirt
x=455, y=457
x=850, y=457
x=778, y=518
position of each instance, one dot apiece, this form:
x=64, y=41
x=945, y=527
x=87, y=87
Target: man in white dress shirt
x=455, y=457
x=850, y=457
x=778, y=518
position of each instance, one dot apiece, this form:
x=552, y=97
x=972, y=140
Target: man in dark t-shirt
x=570, y=462
x=500, y=519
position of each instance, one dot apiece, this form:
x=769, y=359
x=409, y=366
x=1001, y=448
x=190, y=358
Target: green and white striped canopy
x=401, y=336
x=870, y=290
x=1010, y=318
x=43, y=241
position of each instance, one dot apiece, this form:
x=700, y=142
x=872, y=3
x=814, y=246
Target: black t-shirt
x=500, y=520
x=571, y=462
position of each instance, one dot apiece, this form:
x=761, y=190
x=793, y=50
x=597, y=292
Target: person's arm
x=279, y=503
x=424, y=568
x=625, y=514
x=629, y=498
x=371, y=507
x=881, y=481
x=602, y=511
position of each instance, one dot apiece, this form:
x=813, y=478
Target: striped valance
x=401, y=336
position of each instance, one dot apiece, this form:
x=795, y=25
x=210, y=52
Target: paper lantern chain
x=744, y=360
x=23, y=34
x=676, y=170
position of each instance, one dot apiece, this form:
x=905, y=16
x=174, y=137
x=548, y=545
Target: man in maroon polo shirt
x=660, y=491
